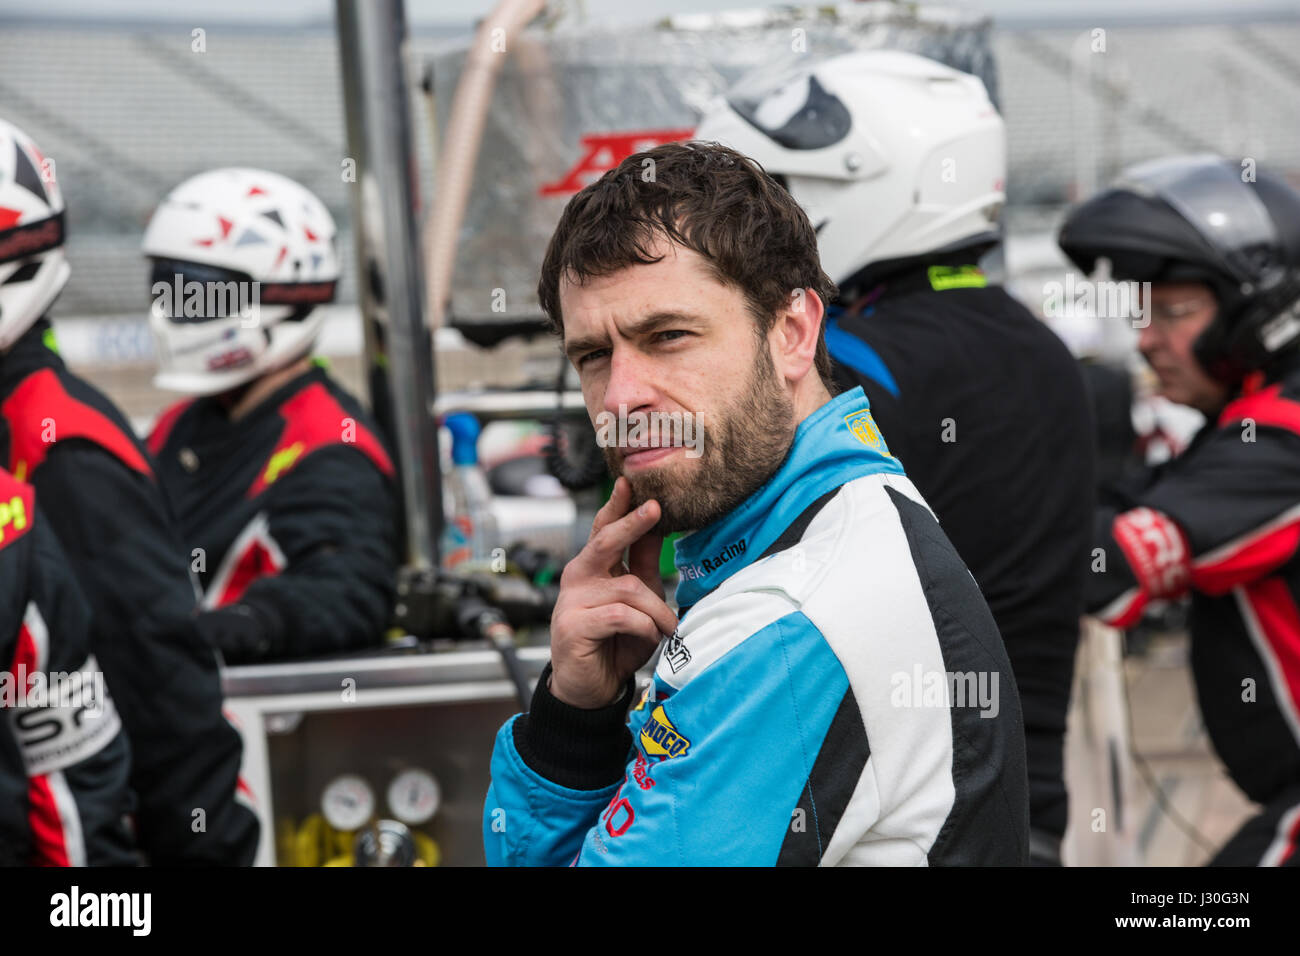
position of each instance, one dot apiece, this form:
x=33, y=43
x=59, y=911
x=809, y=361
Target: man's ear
x=795, y=334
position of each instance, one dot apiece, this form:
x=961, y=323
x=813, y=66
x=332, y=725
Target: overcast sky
x=430, y=13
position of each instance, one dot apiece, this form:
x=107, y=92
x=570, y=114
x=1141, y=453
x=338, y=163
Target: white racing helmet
x=240, y=259
x=890, y=154
x=33, y=270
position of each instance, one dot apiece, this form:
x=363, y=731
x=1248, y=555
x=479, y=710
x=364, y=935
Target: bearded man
x=833, y=689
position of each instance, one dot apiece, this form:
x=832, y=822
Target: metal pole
x=399, y=347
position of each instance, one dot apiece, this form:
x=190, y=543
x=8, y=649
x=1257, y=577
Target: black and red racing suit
x=1222, y=522
x=290, y=512
x=64, y=759
x=97, y=491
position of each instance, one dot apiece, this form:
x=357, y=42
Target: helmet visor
x=192, y=292
x=794, y=110
x=1219, y=204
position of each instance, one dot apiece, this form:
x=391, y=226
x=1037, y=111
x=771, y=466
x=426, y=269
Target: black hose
x=478, y=619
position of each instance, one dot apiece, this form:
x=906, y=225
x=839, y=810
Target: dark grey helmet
x=1204, y=219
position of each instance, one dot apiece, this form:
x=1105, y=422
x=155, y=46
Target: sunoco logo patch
x=659, y=738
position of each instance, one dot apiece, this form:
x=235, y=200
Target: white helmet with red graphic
x=33, y=270
x=241, y=258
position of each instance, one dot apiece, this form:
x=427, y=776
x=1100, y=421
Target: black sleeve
x=1222, y=516
x=576, y=748
x=113, y=526
x=15, y=830
x=1111, y=592
x=334, y=518
x=1241, y=482
x=15, y=833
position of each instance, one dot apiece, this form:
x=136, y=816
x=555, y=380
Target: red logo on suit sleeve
x=1156, y=550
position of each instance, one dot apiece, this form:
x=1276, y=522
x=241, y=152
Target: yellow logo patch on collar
x=865, y=430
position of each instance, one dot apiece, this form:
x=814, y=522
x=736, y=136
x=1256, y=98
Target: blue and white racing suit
x=836, y=693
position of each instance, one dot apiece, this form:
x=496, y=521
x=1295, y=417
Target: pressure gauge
x=347, y=802
x=413, y=796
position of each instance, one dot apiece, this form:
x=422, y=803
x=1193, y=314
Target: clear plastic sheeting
x=570, y=103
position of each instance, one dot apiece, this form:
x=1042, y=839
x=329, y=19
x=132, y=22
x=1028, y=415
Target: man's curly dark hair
x=707, y=198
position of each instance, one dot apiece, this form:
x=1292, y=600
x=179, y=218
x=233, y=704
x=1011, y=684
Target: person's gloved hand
x=243, y=634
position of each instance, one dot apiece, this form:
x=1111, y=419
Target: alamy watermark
x=209, y=300
x=645, y=430
x=129, y=910
x=81, y=691
x=976, y=689
x=1103, y=299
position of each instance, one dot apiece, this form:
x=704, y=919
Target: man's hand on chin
x=610, y=616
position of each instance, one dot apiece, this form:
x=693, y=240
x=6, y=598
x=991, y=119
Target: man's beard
x=744, y=446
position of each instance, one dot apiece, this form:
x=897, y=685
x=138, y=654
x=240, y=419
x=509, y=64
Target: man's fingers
x=643, y=561
x=614, y=619
x=618, y=505
x=620, y=500
x=632, y=591
x=606, y=547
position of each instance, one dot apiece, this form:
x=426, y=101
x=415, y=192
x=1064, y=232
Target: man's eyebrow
x=577, y=346
x=643, y=326
x=657, y=320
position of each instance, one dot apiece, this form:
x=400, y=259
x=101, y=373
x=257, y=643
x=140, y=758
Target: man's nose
x=631, y=382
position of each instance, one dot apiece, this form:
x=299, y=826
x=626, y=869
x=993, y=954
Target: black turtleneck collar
x=902, y=276
x=34, y=350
